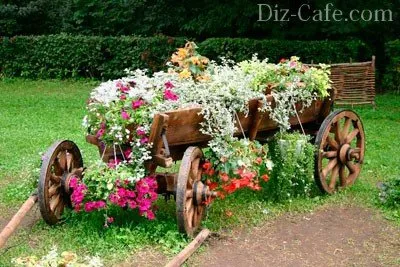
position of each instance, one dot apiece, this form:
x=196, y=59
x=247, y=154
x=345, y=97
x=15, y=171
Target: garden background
x=54, y=52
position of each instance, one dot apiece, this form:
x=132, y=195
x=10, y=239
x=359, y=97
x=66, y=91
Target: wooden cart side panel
x=184, y=124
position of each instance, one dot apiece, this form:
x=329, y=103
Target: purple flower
x=140, y=131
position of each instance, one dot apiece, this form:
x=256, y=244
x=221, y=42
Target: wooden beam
x=189, y=249
x=16, y=220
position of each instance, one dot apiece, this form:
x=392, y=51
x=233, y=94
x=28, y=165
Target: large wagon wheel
x=341, y=145
x=61, y=162
x=190, y=192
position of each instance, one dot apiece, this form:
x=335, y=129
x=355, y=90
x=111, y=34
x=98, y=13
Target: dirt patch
x=332, y=236
x=146, y=257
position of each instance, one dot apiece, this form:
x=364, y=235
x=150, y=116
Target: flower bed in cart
x=120, y=114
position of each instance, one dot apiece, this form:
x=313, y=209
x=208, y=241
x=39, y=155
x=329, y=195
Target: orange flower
x=259, y=160
x=182, y=53
x=229, y=213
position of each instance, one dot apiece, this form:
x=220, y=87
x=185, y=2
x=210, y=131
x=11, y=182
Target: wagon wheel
x=61, y=162
x=341, y=145
x=190, y=192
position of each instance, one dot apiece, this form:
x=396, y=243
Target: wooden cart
x=339, y=139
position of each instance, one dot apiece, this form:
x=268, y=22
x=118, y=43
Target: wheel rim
x=61, y=162
x=341, y=147
x=189, y=212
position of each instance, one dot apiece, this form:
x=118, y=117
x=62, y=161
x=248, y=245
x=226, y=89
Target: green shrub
x=293, y=172
x=240, y=49
x=65, y=56
x=390, y=193
x=391, y=81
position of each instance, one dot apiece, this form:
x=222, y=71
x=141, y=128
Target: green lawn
x=33, y=114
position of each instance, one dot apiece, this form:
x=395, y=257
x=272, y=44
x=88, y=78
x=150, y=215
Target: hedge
x=65, y=56
x=391, y=81
x=309, y=51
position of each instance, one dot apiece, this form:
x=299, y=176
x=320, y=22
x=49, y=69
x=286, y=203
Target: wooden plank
x=179, y=259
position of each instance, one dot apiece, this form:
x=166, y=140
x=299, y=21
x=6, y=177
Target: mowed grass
x=33, y=114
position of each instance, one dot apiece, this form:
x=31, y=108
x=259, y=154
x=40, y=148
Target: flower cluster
x=120, y=114
x=189, y=63
x=246, y=167
x=119, y=191
x=53, y=258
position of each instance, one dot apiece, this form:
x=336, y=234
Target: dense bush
x=317, y=51
x=390, y=193
x=392, y=75
x=64, y=56
x=293, y=171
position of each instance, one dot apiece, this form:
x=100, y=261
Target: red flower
x=224, y=177
x=265, y=177
x=259, y=160
x=207, y=165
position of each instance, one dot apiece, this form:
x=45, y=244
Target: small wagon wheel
x=61, y=162
x=190, y=192
x=341, y=146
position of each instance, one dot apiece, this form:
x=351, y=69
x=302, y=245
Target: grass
x=33, y=114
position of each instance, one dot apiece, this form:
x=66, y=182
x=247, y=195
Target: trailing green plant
x=293, y=171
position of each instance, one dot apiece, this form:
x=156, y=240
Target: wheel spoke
x=55, y=179
x=338, y=136
x=342, y=175
x=346, y=126
x=353, y=168
x=69, y=161
x=334, y=176
x=53, y=190
x=332, y=143
x=189, y=194
x=54, y=202
x=332, y=163
x=329, y=154
x=59, y=208
x=351, y=136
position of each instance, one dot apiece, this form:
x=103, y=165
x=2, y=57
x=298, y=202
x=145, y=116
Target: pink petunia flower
x=144, y=140
x=137, y=104
x=140, y=131
x=125, y=115
x=169, y=95
x=169, y=85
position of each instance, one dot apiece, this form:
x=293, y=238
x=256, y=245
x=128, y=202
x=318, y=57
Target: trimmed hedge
x=240, y=49
x=66, y=56
x=391, y=80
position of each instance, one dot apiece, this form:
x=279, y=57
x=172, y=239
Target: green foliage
x=390, y=193
x=392, y=75
x=239, y=49
x=65, y=56
x=293, y=170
